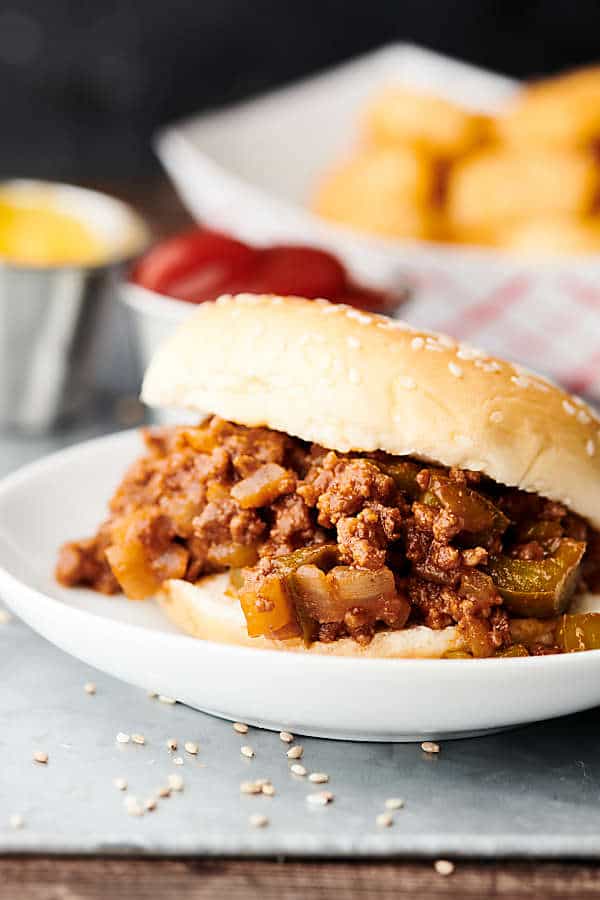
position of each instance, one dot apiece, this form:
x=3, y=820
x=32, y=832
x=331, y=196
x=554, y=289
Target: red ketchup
x=198, y=265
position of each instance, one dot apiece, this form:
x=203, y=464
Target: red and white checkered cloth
x=544, y=317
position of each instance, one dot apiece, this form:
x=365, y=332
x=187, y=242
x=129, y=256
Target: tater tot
x=551, y=237
x=561, y=111
x=499, y=186
x=399, y=115
x=384, y=191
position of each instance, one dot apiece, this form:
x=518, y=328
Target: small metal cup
x=53, y=318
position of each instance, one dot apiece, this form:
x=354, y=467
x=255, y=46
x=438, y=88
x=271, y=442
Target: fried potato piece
x=387, y=192
x=562, y=111
x=551, y=237
x=499, y=186
x=399, y=115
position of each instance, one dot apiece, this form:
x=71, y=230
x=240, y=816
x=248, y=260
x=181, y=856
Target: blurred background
x=85, y=83
x=422, y=183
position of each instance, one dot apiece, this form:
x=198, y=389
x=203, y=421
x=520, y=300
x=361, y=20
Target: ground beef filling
x=326, y=544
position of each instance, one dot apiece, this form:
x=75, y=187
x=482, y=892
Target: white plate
x=64, y=497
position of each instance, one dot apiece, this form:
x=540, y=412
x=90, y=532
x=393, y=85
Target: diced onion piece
x=129, y=563
x=327, y=598
x=232, y=555
x=532, y=632
x=172, y=563
x=269, y=610
x=313, y=594
x=361, y=587
x=263, y=486
x=203, y=440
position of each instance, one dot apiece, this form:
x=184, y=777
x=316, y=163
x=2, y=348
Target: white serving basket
x=250, y=170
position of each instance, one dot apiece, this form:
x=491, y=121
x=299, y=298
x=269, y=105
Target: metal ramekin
x=50, y=316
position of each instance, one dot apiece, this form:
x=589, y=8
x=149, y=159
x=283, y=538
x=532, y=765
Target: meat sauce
x=332, y=545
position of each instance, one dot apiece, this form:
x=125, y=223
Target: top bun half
x=353, y=381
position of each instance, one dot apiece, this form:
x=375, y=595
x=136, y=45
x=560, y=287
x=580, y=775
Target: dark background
x=84, y=83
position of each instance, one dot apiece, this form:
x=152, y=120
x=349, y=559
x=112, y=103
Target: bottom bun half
x=204, y=610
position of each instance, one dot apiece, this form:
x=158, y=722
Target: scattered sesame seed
x=40, y=757
x=133, y=807
x=89, y=687
x=170, y=700
x=384, y=820
x=353, y=342
x=455, y=369
x=353, y=376
x=320, y=799
x=123, y=738
x=430, y=747
x=120, y=784
x=150, y=804
x=417, y=343
x=258, y=821
x=268, y=789
x=406, y=382
x=496, y=417
x=583, y=417
x=394, y=803
x=191, y=747
x=286, y=737
x=590, y=447
x=520, y=381
x=171, y=744
x=164, y=791
x=247, y=751
x=175, y=782
x=5, y=617
x=240, y=727
x=297, y=769
x=138, y=738
x=250, y=787
x=16, y=821
x=177, y=760
x=318, y=777
x=295, y=752
x=444, y=867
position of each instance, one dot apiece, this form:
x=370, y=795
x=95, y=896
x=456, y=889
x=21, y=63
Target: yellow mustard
x=35, y=232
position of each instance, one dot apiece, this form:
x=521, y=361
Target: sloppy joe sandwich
x=355, y=487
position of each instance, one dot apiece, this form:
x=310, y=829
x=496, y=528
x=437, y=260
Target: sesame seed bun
x=205, y=610
x=353, y=381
